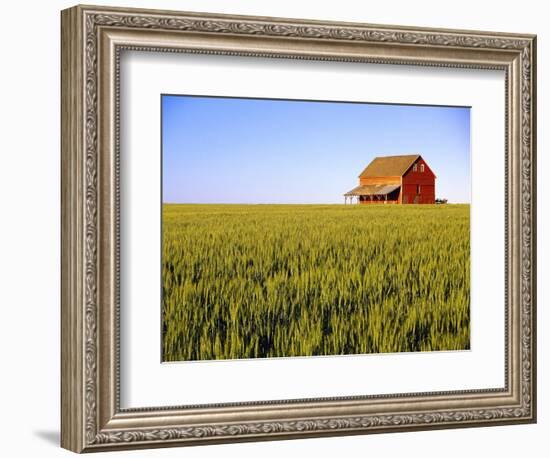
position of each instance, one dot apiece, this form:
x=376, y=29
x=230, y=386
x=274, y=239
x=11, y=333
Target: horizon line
x=295, y=203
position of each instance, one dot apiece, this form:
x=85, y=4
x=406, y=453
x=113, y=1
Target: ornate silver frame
x=92, y=38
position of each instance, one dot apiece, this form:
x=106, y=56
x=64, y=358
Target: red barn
x=395, y=180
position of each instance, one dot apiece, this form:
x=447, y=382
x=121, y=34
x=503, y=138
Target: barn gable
x=421, y=166
x=418, y=184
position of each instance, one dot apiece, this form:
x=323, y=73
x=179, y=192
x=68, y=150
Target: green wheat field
x=257, y=281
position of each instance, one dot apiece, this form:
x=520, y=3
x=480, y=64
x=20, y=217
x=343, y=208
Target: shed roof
x=389, y=166
x=372, y=190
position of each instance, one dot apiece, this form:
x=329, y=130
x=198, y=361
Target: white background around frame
x=145, y=75
x=29, y=242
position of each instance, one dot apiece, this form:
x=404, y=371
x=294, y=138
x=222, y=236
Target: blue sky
x=234, y=150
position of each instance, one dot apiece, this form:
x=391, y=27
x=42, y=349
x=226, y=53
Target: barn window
x=414, y=168
x=422, y=167
x=418, y=189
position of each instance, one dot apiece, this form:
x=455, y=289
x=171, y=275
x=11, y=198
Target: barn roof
x=372, y=190
x=389, y=166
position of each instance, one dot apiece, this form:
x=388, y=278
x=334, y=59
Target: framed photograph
x=279, y=228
